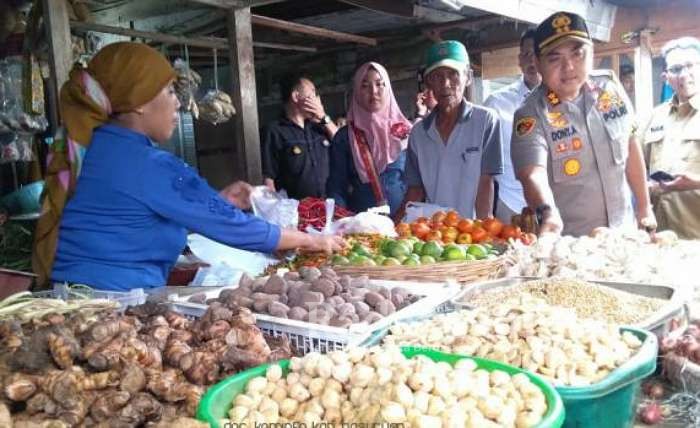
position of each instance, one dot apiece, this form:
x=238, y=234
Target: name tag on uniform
x=564, y=133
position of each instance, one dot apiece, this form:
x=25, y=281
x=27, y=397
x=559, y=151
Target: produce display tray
x=672, y=317
x=215, y=404
x=309, y=337
x=132, y=297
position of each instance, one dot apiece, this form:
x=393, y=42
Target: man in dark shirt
x=295, y=146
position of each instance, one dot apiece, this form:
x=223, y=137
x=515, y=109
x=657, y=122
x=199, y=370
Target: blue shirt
x=344, y=184
x=127, y=222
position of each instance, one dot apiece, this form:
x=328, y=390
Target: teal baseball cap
x=448, y=53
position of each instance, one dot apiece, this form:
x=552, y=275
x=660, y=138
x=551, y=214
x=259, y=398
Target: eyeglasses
x=678, y=69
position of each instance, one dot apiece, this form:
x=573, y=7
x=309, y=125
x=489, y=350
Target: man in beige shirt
x=672, y=142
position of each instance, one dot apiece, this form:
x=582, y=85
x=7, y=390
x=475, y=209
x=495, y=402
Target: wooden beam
x=231, y=4
x=202, y=42
x=643, y=75
x=312, y=31
x=243, y=91
x=390, y=7
x=60, y=52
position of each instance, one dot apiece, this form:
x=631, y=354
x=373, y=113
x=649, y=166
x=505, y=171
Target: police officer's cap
x=558, y=28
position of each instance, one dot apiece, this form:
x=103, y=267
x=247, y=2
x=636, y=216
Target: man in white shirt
x=505, y=101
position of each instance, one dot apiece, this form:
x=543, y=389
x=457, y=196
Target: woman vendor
x=368, y=156
x=127, y=219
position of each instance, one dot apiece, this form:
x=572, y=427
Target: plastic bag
x=366, y=222
x=276, y=208
x=216, y=107
x=421, y=209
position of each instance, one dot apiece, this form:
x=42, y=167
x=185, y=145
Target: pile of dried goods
x=587, y=299
x=530, y=334
x=381, y=385
x=143, y=367
x=316, y=295
x=186, y=83
x=216, y=107
x=624, y=255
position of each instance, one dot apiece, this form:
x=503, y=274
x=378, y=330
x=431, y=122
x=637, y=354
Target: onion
x=651, y=414
x=653, y=389
x=694, y=331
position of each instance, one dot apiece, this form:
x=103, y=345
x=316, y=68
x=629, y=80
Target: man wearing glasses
x=672, y=142
x=455, y=151
x=573, y=146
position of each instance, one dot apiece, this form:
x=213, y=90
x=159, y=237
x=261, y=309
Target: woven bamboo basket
x=462, y=271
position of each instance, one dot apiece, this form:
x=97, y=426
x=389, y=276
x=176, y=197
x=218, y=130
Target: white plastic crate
x=308, y=337
x=125, y=299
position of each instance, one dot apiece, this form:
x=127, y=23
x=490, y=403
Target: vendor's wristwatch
x=325, y=120
x=541, y=212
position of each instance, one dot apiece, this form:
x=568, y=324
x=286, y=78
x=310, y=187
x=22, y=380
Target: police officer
x=573, y=145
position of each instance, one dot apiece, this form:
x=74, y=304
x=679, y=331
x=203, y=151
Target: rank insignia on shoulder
x=296, y=150
x=525, y=125
x=572, y=167
x=557, y=119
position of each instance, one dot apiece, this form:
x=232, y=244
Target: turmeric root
x=185, y=336
x=174, y=352
x=108, y=405
x=20, y=386
x=200, y=367
x=41, y=403
x=103, y=331
x=133, y=379
x=64, y=348
x=177, y=321
x=97, y=381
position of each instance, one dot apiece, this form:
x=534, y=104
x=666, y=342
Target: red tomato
x=465, y=225
x=479, y=234
x=420, y=229
x=493, y=226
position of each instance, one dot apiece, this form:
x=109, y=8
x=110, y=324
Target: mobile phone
x=662, y=176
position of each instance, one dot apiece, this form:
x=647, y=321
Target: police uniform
x=584, y=145
x=672, y=144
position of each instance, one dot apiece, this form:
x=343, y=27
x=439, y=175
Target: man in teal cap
x=455, y=151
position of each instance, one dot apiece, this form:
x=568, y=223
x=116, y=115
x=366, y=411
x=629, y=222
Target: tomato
x=420, y=229
x=434, y=235
x=493, y=226
x=449, y=234
x=465, y=225
x=464, y=238
x=451, y=219
x=425, y=220
x=479, y=234
x=509, y=231
x=438, y=217
x=403, y=229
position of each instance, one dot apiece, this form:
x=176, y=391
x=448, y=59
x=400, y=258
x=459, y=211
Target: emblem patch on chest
x=525, y=126
x=576, y=144
x=557, y=119
x=572, y=167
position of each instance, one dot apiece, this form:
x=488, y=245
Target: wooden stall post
x=243, y=91
x=643, y=76
x=60, y=53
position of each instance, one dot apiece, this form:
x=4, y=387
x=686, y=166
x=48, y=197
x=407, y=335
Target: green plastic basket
x=610, y=403
x=216, y=403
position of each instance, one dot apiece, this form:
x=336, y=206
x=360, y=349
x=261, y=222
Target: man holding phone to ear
x=672, y=143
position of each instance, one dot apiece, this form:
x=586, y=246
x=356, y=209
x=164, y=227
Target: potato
x=338, y=288
x=335, y=301
x=311, y=297
x=385, y=307
x=328, y=308
x=348, y=297
x=399, y=297
x=385, y=292
x=292, y=276
x=277, y=309
x=294, y=295
x=360, y=281
x=359, y=291
x=245, y=281
x=275, y=285
x=340, y=321
x=371, y=317
x=298, y=313
x=258, y=283
x=319, y=316
x=309, y=273
x=361, y=308
x=345, y=281
x=324, y=286
x=345, y=309
x=374, y=299
x=265, y=296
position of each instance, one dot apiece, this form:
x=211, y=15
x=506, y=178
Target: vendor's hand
x=552, y=223
x=646, y=220
x=270, y=183
x=313, y=107
x=680, y=183
x=325, y=243
x=238, y=194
